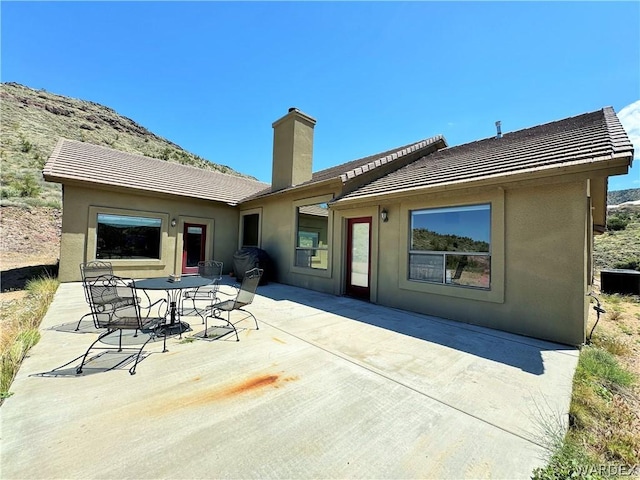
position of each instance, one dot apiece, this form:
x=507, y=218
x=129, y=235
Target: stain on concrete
x=253, y=385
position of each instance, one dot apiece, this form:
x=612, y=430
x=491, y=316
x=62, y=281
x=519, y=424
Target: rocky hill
x=34, y=120
x=621, y=196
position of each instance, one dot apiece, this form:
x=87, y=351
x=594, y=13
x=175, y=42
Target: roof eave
x=616, y=164
x=124, y=188
x=295, y=190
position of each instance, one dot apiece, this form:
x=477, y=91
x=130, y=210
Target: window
x=451, y=246
x=129, y=237
x=250, y=226
x=312, y=234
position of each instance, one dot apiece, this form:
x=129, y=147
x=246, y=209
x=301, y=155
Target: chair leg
x=254, y=317
x=132, y=370
x=232, y=325
x=204, y=335
x=84, y=358
x=80, y=321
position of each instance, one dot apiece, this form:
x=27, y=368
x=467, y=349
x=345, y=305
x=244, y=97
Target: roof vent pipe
x=499, y=131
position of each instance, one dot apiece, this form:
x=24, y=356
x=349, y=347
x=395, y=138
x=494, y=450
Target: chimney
x=292, y=149
x=499, y=131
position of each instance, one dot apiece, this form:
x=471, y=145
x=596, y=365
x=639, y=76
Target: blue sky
x=213, y=76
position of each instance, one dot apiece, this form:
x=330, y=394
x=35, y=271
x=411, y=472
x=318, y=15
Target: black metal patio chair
x=113, y=316
x=207, y=295
x=89, y=271
x=245, y=296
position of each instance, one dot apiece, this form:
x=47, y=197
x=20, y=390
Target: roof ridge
x=387, y=156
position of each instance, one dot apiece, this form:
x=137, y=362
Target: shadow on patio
x=509, y=349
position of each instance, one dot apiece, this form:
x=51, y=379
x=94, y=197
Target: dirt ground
x=621, y=324
x=30, y=245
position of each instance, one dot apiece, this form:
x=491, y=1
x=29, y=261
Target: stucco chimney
x=292, y=149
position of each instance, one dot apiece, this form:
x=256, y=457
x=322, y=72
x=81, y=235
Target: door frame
x=203, y=247
x=354, y=290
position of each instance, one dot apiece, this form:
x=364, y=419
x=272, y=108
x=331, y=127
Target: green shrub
x=25, y=145
x=617, y=222
x=9, y=191
x=29, y=187
x=629, y=264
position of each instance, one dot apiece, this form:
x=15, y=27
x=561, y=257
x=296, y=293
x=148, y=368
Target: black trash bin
x=248, y=258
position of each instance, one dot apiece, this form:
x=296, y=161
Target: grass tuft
x=20, y=323
x=616, y=345
x=596, y=364
x=570, y=460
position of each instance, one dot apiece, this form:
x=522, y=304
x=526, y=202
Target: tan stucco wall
x=538, y=247
x=80, y=205
x=539, y=256
x=278, y=237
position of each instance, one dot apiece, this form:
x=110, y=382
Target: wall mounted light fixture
x=384, y=215
x=173, y=222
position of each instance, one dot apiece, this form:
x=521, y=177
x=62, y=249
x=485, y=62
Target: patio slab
x=328, y=387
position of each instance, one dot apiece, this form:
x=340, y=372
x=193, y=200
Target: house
x=497, y=232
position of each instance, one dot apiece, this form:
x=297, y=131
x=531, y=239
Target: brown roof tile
x=581, y=139
x=73, y=160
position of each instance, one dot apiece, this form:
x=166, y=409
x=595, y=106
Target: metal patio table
x=174, y=294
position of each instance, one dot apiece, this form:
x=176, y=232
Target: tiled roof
x=354, y=168
x=73, y=160
x=582, y=139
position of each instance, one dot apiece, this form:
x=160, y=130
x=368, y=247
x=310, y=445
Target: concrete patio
x=328, y=387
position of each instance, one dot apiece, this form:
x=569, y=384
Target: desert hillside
x=34, y=120
x=32, y=123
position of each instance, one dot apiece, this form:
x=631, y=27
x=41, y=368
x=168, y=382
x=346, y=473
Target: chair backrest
x=112, y=297
x=248, y=287
x=210, y=269
x=92, y=270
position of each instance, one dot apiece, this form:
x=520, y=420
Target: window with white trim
x=451, y=246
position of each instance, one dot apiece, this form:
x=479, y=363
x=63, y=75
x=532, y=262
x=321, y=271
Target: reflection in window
x=451, y=246
x=124, y=236
x=312, y=233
